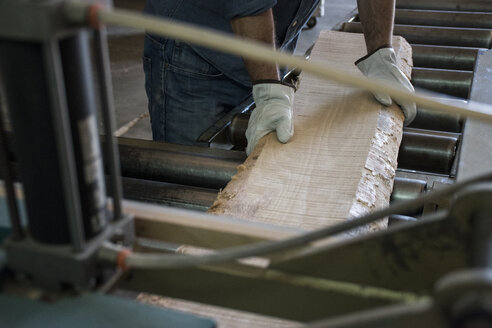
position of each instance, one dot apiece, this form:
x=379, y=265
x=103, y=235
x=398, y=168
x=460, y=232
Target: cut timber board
x=342, y=159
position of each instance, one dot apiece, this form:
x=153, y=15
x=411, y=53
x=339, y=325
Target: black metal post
x=82, y=111
x=36, y=102
x=107, y=102
x=6, y=171
x=64, y=143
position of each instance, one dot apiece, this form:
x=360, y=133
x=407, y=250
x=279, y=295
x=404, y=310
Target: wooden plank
x=342, y=159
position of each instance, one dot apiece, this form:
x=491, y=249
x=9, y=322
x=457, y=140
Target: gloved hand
x=273, y=112
x=381, y=65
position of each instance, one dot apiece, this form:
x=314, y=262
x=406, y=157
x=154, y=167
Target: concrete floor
x=128, y=79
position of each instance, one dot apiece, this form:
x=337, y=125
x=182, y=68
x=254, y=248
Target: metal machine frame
x=424, y=267
x=41, y=25
x=432, y=272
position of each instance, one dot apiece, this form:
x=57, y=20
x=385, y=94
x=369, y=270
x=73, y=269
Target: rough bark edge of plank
x=380, y=167
x=226, y=197
x=379, y=170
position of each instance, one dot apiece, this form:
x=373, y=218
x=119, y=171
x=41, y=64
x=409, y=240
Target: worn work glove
x=381, y=65
x=273, y=112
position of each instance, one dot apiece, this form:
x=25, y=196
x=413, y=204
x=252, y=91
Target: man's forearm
x=377, y=18
x=259, y=28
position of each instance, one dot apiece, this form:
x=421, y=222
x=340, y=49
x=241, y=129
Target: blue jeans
x=187, y=94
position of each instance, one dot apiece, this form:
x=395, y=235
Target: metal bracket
x=55, y=267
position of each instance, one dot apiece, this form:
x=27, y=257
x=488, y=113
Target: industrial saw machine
x=76, y=249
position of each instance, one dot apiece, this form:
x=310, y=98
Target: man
x=189, y=87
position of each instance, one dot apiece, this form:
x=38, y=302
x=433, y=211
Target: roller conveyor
x=446, y=37
x=432, y=120
x=428, y=151
x=455, y=5
x=451, y=82
x=147, y=177
x=470, y=14
x=185, y=165
x=444, y=52
x=432, y=35
x=442, y=57
x=443, y=18
x=406, y=189
x=192, y=198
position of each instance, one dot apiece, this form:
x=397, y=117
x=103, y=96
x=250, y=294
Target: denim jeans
x=187, y=94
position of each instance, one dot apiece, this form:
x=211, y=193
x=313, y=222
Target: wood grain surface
x=342, y=159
